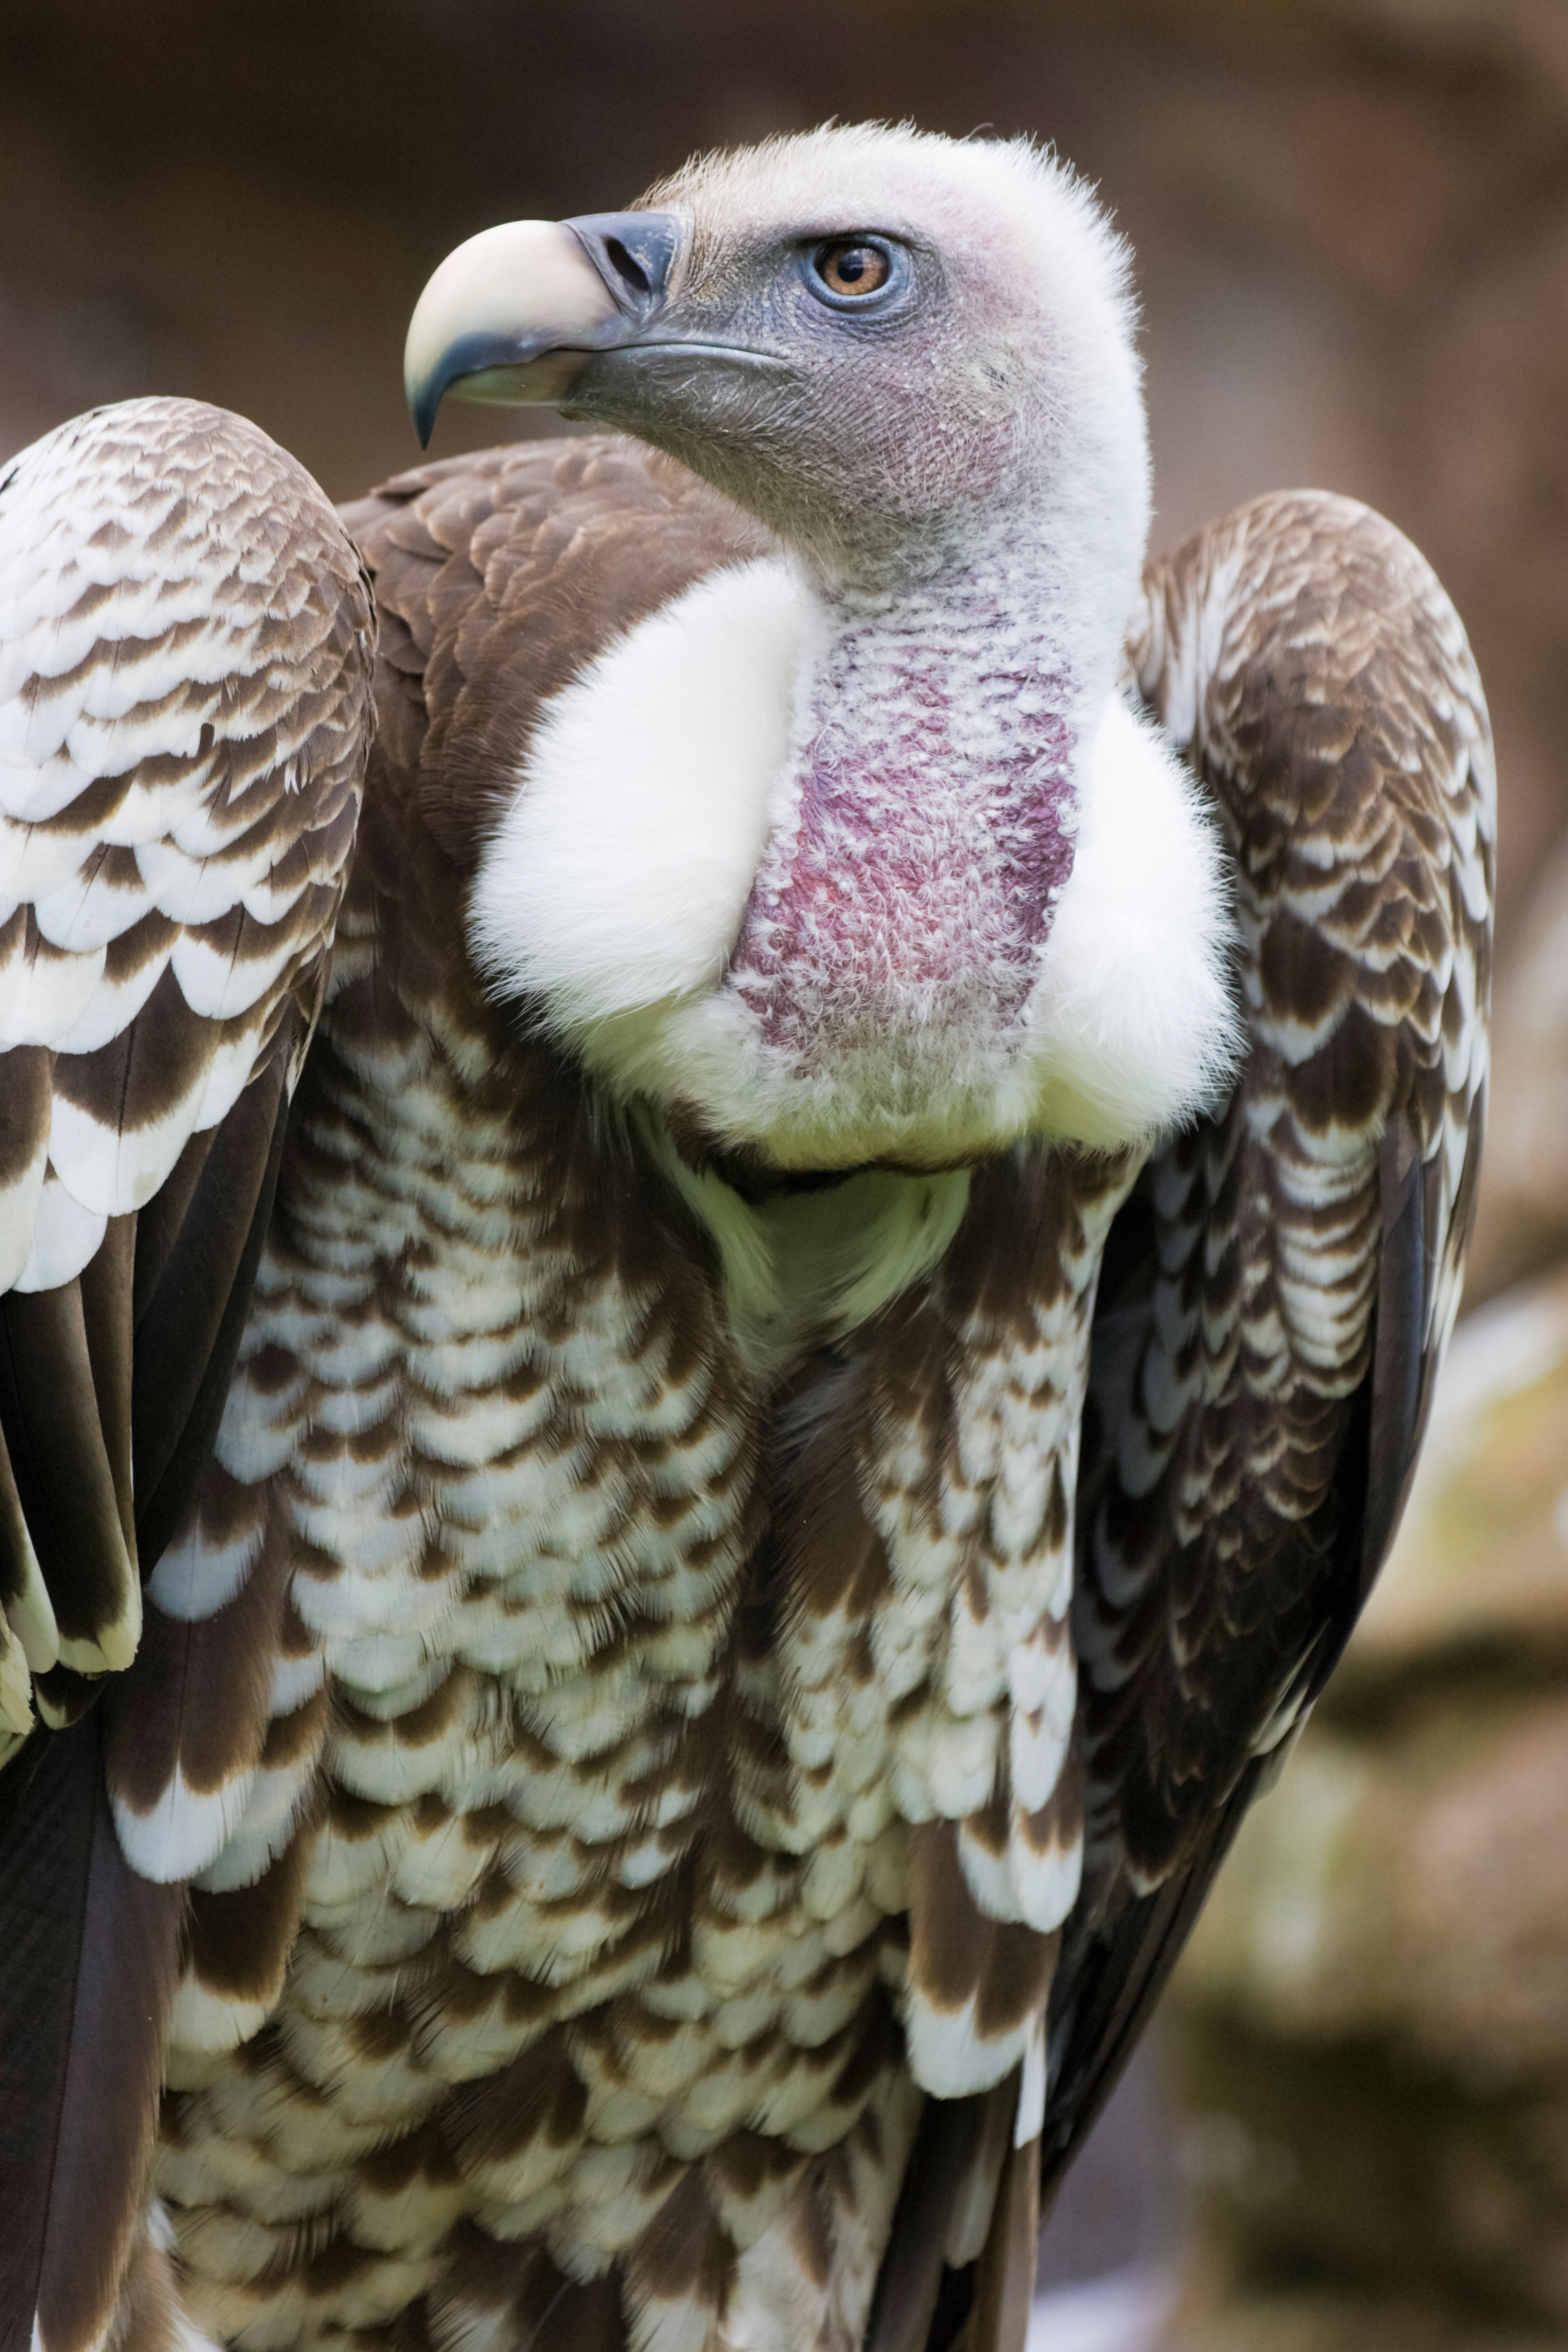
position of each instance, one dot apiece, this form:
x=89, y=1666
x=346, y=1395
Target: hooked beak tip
x=528, y=292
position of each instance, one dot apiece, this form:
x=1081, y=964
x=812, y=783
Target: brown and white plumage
x=660, y=1875
x=1268, y=1338
x=185, y=640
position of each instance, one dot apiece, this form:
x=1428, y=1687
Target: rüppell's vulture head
x=900, y=878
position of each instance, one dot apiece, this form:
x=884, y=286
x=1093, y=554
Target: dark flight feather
x=88, y=1959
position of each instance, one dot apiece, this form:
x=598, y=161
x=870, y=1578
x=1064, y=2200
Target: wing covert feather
x=185, y=645
x=1278, y=1294
x=186, y=639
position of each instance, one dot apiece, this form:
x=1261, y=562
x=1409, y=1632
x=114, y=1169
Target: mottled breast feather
x=185, y=647
x=1278, y=1293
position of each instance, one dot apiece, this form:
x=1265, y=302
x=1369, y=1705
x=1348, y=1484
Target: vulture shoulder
x=185, y=645
x=500, y=577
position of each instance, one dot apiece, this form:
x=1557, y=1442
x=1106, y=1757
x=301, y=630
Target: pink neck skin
x=926, y=828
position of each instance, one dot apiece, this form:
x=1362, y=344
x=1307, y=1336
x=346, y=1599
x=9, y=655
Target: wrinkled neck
x=924, y=823
x=1025, y=594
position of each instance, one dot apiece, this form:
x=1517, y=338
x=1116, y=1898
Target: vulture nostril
x=633, y=252
x=628, y=266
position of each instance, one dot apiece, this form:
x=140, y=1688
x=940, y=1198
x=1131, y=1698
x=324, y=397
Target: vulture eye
x=850, y=271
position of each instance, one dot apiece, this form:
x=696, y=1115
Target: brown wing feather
x=1005, y=2283
x=911, y=2277
x=184, y=707
x=1277, y=1301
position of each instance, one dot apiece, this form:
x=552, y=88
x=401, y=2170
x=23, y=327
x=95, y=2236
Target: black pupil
x=850, y=263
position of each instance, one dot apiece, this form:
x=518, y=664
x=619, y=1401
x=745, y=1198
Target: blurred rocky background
x=1351, y=221
x=1370, y=2032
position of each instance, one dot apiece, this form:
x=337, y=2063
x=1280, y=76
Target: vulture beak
x=515, y=314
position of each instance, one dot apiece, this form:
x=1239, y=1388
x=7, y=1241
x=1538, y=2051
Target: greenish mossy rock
x=1371, y=2023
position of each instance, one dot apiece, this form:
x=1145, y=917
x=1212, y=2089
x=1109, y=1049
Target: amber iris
x=852, y=268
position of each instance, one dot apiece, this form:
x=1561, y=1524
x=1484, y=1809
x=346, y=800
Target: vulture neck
x=922, y=824
x=795, y=858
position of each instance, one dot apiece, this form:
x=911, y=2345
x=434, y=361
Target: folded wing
x=1277, y=1291
x=185, y=645
x=185, y=716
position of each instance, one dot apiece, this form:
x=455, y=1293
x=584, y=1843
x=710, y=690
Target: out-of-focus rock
x=1524, y=1221
x=1481, y=1564
x=1372, y=2019
x=1314, y=2323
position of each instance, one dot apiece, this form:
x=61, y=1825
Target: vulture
x=731, y=1174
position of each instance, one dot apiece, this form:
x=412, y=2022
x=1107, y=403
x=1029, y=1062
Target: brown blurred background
x=1351, y=222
